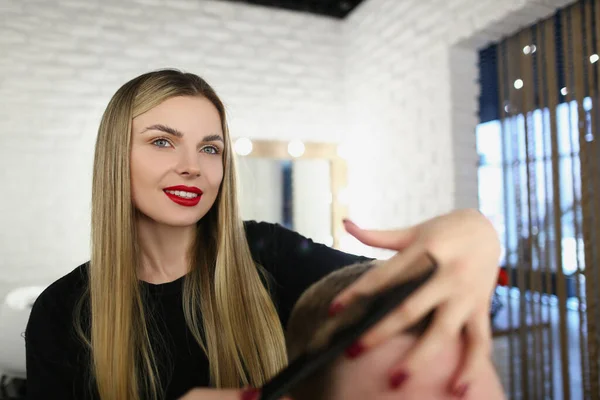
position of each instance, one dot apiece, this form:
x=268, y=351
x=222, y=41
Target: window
x=507, y=193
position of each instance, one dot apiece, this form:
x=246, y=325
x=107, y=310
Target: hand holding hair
x=466, y=248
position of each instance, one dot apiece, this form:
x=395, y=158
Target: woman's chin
x=181, y=224
x=181, y=221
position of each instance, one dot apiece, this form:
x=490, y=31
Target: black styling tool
x=377, y=307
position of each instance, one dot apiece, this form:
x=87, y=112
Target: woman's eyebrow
x=213, y=138
x=163, y=128
x=179, y=134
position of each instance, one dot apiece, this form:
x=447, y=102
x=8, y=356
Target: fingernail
x=461, y=390
x=250, y=394
x=345, y=220
x=355, y=350
x=398, y=379
x=335, y=308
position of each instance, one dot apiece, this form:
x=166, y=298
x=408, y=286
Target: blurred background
x=423, y=106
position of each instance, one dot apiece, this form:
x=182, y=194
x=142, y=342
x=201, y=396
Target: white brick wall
x=277, y=72
x=412, y=101
x=389, y=80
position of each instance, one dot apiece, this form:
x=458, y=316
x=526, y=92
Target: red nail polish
x=335, y=308
x=355, y=350
x=398, y=379
x=461, y=390
x=250, y=394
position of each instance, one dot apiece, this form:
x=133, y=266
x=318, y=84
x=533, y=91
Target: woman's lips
x=183, y=201
x=184, y=188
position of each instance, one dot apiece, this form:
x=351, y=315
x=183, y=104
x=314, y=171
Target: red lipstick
x=184, y=201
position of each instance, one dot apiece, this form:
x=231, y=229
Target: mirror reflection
x=295, y=193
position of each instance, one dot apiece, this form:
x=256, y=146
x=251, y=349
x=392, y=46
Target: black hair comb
x=377, y=307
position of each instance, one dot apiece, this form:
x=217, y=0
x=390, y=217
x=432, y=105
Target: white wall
x=412, y=100
x=389, y=80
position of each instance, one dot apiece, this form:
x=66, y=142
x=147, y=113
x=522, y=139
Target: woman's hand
x=223, y=394
x=466, y=248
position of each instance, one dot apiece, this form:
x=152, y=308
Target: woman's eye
x=161, y=143
x=211, y=149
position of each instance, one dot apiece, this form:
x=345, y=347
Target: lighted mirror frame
x=275, y=149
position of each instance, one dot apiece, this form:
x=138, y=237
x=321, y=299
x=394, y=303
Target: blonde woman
x=182, y=297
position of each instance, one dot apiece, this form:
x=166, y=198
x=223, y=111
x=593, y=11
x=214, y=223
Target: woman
x=179, y=293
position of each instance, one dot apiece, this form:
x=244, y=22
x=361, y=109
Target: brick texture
x=396, y=82
x=410, y=76
x=279, y=74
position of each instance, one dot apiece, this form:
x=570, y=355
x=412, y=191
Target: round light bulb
x=243, y=146
x=296, y=148
x=518, y=84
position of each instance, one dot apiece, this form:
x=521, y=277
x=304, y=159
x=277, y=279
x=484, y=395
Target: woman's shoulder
x=261, y=231
x=280, y=247
x=50, y=336
x=257, y=228
x=63, y=293
x=268, y=240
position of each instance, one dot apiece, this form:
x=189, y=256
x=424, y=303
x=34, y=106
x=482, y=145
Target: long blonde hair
x=239, y=328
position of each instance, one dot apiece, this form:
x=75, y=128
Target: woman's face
x=177, y=160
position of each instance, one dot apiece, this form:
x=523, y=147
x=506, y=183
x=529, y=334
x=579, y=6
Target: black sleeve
x=50, y=372
x=295, y=262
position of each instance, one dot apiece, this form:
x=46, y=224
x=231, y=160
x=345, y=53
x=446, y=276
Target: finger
x=478, y=352
x=443, y=332
x=379, y=278
x=397, y=239
x=412, y=310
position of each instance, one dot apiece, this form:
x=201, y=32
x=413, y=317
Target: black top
x=57, y=361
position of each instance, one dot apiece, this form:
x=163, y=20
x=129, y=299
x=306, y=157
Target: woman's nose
x=189, y=165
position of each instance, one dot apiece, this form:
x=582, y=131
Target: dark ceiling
x=331, y=8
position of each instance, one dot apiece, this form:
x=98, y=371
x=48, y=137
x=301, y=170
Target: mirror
x=293, y=193
x=300, y=193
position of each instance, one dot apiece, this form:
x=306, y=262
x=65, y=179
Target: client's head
x=365, y=377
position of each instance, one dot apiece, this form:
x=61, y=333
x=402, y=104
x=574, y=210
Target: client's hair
x=310, y=326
